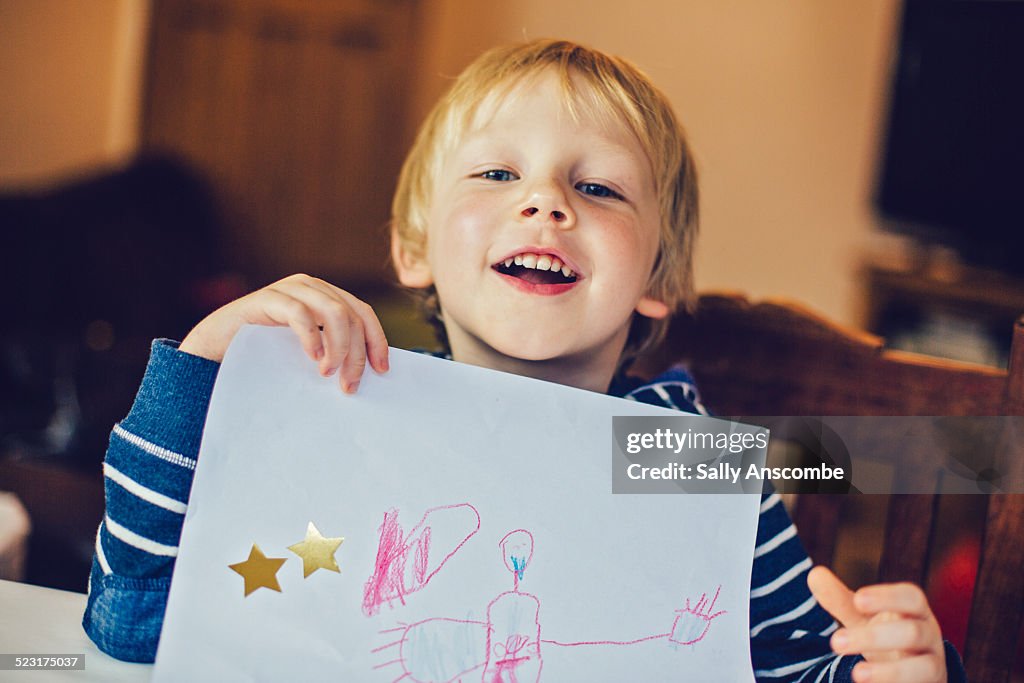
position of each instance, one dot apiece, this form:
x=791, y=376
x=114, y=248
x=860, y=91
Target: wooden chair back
x=779, y=358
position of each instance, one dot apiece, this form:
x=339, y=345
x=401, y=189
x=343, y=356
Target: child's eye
x=499, y=174
x=598, y=190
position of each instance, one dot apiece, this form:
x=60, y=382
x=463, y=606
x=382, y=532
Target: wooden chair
x=778, y=358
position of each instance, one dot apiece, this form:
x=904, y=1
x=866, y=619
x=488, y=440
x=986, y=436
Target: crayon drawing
x=507, y=647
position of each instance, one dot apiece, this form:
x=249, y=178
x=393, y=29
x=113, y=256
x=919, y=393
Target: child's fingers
x=335, y=328
x=322, y=331
x=344, y=330
x=904, y=598
x=355, y=360
x=922, y=669
x=332, y=317
x=344, y=340
x=373, y=332
x=280, y=308
x=832, y=594
x=376, y=341
x=304, y=326
x=913, y=636
x=336, y=318
x=890, y=624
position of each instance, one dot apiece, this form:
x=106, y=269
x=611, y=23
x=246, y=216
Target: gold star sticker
x=316, y=551
x=259, y=571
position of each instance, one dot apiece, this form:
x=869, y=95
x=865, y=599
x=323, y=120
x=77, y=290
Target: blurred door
x=296, y=111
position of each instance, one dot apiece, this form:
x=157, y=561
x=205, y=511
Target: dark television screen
x=953, y=163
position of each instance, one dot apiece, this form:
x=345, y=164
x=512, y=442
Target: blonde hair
x=613, y=88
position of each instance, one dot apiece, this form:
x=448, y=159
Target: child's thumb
x=834, y=596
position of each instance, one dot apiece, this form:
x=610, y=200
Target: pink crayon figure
x=513, y=621
x=692, y=623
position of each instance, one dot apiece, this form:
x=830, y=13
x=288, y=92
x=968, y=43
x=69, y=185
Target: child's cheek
x=474, y=221
x=621, y=236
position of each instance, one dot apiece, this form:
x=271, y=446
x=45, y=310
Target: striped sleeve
x=147, y=477
x=789, y=630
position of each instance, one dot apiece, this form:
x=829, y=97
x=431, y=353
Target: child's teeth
x=540, y=262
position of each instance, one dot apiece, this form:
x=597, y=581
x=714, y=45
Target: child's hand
x=336, y=329
x=890, y=624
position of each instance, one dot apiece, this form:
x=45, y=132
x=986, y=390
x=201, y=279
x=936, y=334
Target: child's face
x=530, y=183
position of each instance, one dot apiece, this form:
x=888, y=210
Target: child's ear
x=413, y=271
x=652, y=308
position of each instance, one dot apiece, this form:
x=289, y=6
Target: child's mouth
x=537, y=269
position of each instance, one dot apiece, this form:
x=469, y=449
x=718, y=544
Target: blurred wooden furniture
x=776, y=358
x=966, y=291
x=907, y=304
x=296, y=112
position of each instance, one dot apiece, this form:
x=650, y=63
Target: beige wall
x=782, y=101
x=70, y=74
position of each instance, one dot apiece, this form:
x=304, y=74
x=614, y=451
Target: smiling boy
x=533, y=184
x=547, y=211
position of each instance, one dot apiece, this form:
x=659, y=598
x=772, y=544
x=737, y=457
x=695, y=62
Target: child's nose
x=549, y=206
x=557, y=215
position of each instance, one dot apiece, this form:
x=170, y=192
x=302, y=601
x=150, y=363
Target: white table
x=36, y=620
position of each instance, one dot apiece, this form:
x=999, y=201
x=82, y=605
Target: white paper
x=457, y=458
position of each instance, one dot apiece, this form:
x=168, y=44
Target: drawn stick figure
x=513, y=620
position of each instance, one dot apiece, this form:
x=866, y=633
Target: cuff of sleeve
x=170, y=407
x=124, y=616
